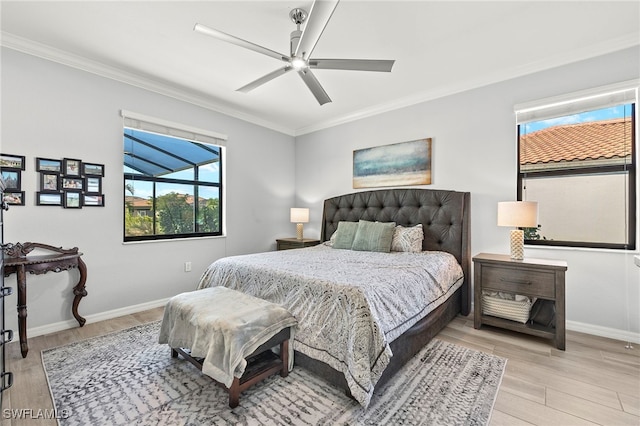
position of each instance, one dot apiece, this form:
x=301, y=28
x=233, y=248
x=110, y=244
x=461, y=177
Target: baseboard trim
x=611, y=333
x=65, y=325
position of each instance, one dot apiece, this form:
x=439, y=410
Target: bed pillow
x=345, y=234
x=373, y=236
x=407, y=239
x=332, y=240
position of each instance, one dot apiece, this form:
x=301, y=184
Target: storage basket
x=514, y=310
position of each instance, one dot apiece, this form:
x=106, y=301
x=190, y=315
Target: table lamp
x=518, y=214
x=299, y=216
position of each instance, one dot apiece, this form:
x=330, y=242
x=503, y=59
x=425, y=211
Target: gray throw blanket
x=223, y=326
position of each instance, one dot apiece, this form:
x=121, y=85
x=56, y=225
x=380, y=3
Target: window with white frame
x=577, y=159
x=172, y=180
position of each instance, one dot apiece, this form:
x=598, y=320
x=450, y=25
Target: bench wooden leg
x=284, y=356
x=174, y=353
x=234, y=393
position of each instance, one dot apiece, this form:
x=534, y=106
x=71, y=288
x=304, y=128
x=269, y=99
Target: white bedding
x=349, y=304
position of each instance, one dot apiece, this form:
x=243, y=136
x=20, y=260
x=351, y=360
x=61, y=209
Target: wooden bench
x=261, y=364
x=216, y=316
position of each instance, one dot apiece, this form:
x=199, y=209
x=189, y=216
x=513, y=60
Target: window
x=577, y=160
x=172, y=180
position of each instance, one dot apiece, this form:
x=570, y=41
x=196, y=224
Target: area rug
x=128, y=378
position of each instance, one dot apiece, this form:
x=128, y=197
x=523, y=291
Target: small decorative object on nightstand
x=294, y=243
x=535, y=278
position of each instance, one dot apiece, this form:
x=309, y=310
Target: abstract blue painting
x=398, y=164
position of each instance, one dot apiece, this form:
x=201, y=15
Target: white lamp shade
x=519, y=214
x=299, y=215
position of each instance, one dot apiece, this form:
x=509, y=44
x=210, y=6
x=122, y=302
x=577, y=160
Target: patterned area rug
x=127, y=378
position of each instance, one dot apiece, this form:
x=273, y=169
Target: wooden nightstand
x=294, y=243
x=540, y=278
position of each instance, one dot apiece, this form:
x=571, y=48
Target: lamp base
x=299, y=230
x=517, y=244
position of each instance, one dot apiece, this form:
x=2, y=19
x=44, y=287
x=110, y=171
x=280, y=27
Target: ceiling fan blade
x=352, y=64
x=239, y=42
x=264, y=79
x=319, y=16
x=314, y=85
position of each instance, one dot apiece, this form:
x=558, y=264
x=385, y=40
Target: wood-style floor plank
x=630, y=404
x=595, y=381
x=588, y=410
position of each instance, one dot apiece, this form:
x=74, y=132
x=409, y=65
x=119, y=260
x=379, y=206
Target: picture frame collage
x=70, y=183
x=12, y=167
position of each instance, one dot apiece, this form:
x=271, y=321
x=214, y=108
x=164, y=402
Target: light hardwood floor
x=595, y=381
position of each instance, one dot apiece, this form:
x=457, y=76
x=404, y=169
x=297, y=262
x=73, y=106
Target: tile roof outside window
x=597, y=140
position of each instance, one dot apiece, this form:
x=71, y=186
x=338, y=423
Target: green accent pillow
x=345, y=233
x=373, y=236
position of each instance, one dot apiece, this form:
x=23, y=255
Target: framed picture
x=93, y=185
x=49, y=182
x=72, y=199
x=399, y=164
x=48, y=165
x=72, y=183
x=11, y=179
x=92, y=169
x=93, y=200
x=71, y=167
x=48, y=199
x=14, y=198
x=12, y=161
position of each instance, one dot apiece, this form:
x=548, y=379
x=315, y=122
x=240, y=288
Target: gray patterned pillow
x=373, y=236
x=407, y=239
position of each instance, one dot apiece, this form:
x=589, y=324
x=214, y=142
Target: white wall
x=474, y=149
x=53, y=111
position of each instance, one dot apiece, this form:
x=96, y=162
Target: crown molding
x=44, y=51
x=609, y=46
x=53, y=54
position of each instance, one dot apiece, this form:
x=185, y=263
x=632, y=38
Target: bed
x=356, y=329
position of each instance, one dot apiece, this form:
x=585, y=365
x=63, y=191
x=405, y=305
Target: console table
x=18, y=262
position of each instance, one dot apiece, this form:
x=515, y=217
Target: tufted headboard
x=445, y=217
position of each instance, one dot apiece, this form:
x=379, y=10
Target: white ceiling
x=440, y=47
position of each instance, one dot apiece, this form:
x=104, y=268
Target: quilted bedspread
x=349, y=304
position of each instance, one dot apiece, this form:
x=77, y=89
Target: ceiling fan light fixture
x=298, y=63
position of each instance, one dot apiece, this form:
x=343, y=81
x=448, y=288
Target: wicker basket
x=513, y=310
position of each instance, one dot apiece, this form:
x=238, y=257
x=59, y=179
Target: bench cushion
x=223, y=326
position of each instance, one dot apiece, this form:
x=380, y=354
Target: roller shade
x=574, y=103
x=156, y=125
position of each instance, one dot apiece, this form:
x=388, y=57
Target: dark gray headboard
x=445, y=217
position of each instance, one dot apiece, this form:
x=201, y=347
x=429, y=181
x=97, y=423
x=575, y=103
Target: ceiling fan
x=301, y=47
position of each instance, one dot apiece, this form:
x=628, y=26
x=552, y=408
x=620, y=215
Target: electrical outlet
x=187, y=266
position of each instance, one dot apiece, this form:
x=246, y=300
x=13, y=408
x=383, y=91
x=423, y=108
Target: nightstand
x=294, y=243
x=541, y=278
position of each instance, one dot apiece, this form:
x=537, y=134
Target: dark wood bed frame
x=445, y=217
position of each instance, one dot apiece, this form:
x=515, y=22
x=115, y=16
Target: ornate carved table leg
x=79, y=291
x=22, y=309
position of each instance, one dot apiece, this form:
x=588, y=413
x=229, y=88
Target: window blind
x=164, y=127
x=574, y=103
